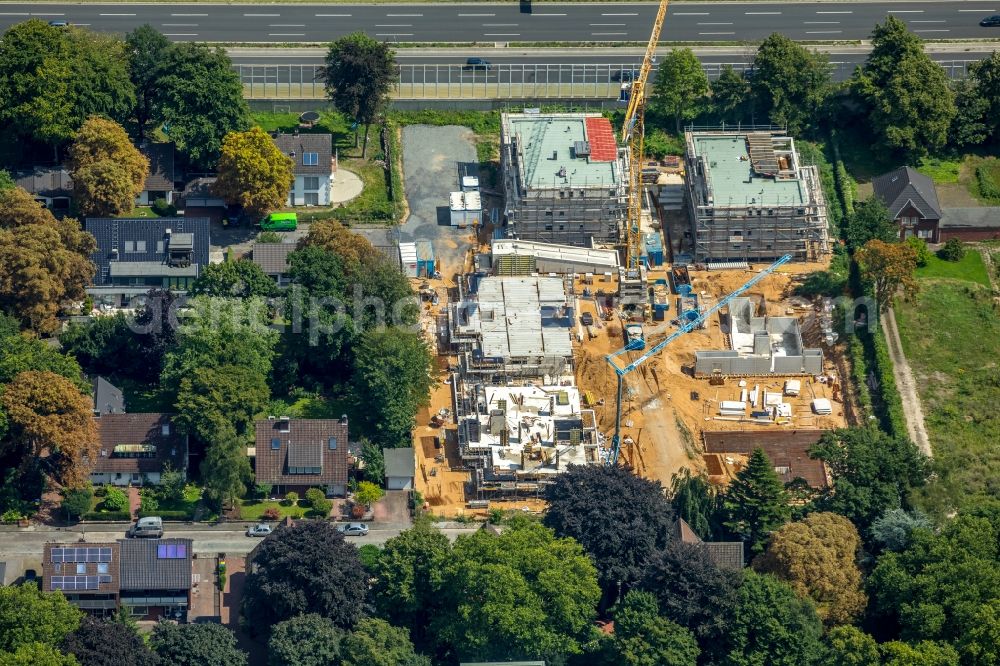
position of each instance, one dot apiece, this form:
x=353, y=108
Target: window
x=310, y=183
x=275, y=443
x=310, y=159
x=311, y=198
x=165, y=429
x=332, y=442
x=102, y=567
x=81, y=568
x=140, y=246
x=305, y=470
x=923, y=233
x=57, y=567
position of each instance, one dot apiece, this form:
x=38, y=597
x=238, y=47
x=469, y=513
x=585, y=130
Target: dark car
x=623, y=75
x=477, y=63
x=991, y=21
x=587, y=319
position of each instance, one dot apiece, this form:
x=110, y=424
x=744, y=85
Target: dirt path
x=913, y=412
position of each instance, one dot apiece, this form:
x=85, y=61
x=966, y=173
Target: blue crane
x=636, y=345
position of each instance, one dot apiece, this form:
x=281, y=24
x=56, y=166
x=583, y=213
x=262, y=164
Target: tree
x=772, y=625
x=924, y=653
x=523, y=594
x=870, y=220
x=730, y=95
x=77, y=501
x=106, y=345
x=115, y=499
x=28, y=615
x=849, y=646
x=211, y=399
x=971, y=125
x=374, y=459
x=980, y=646
x=620, y=519
x=304, y=640
x=6, y=180
x=20, y=353
x=321, y=506
x=893, y=529
x=368, y=493
x=225, y=471
x=234, y=279
x=200, y=101
x=681, y=87
x=305, y=568
x=253, y=172
x=51, y=424
x=375, y=642
x=155, y=328
x=985, y=76
x=696, y=501
x=756, y=503
x=905, y=94
x=872, y=473
x=392, y=369
x=44, y=262
x=145, y=49
x=108, y=171
x=353, y=250
x=789, y=82
x=52, y=79
x=196, y=645
x=953, y=250
x=817, y=556
x=172, y=483
x=359, y=74
x=888, y=267
x=36, y=654
x=643, y=638
x=108, y=643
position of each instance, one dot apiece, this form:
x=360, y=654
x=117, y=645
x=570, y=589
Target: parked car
x=991, y=21
x=353, y=529
x=477, y=63
x=587, y=319
x=259, y=530
x=148, y=527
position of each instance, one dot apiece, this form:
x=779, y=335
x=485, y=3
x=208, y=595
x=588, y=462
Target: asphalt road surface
x=609, y=22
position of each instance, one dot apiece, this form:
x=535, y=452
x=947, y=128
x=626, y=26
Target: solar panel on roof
x=76, y=582
x=81, y=554
x=171, y=551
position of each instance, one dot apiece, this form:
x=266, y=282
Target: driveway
x=434, y=160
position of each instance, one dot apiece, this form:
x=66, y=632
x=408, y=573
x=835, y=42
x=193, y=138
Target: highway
x=549, y=22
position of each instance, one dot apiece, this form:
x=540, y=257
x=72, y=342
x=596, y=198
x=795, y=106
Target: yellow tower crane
x=633, y=134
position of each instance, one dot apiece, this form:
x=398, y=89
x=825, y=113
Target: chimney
x=343, y=419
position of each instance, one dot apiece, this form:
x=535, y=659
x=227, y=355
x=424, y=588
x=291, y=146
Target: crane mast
x=633, y=136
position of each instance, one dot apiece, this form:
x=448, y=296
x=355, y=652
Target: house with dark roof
x=88, y=575
x=51, y=186
x=135, y=449
x=273, y=259
x=400, y=466
x=160, y=181
x=108, y=398
x=969, y=224
x=135, y=255
x=298, y=454
x=155, y=578
x=314, y=167
x=724, y=554
x=912, y=202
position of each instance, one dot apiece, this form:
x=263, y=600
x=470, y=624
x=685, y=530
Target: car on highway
x=59, y=24
x=623, y=75
x=991, y=21
x=353, y=529
x=477, y=63
x=259, y=530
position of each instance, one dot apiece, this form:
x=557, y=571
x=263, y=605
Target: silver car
x=353, y=529
x=259, y=530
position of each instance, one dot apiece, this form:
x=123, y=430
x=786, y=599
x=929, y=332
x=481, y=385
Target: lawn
x=970, y=269
x=940, y=170
x=951, y=334
x=254, y=509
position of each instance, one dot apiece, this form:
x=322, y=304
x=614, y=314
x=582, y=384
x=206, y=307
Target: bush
x=358, y=511
x=292, y=498
x=988, y=188
x=166, y=514
x=221, y=573
x=107, y=515
x=11, y=516
x=77, y=501
x=264, y=489
x=162, y=208
x=953, y=250
x=115, y=499
x=271, y=513
x=919, y=245
x=269, y=237
x=368, y=493
x=147, y=502
x=317, y=500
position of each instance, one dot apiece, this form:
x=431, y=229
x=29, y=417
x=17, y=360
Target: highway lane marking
x=393, y=25
x=632, y=14
x=400, y=15
x=595, y=34
x=905, y=11
x=928, y=21
x=821, y=22
x=189, y=14
x=846, y=12
x=939, y=30
x=177, y=25
x=762, y=13
x=116, y=14
x=37, y=14
x=339, y=15
x=716, y=33
x=606, y=25
x=394, y=34
x=501, y=34
x=690, y=14
x=180, y=34
x=536, y=14
x=823, y=32
x=273, y=15
x=499, y=25
x=286, y=34
x=978, y=11
x=715, y=23
x=286, y=25
x=14, y=14
x=477, y=14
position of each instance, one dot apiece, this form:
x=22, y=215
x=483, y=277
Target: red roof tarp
x=603, y=147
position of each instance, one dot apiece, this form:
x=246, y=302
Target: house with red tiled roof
x=136, y=448
x=298, y=454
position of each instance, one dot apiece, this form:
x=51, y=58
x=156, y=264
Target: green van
x=280, y=222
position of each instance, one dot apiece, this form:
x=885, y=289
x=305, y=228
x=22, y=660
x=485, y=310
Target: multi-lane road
x=504, y=22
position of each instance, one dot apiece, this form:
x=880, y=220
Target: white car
x=259, y=530
x=353, y=529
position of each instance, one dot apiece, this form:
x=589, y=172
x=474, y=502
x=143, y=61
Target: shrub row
x=988, y=188
x=167, y=514
x=892, y=418
x=107, y=515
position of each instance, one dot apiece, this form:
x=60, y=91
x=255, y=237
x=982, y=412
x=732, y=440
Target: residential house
x=108, y=398
x=912, y=202
x=155, y=579
x=273, y=260
x=724, y=554
x=160, y=181
x=88, y=575
x=51, y=186
x=135, y=255
x=198, y=195
x=298, y=454
x=135, y=449
x=314, y=167
x=400, y=465
x=969, y=224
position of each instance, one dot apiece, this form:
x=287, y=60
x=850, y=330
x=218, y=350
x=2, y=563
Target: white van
x=151, y=527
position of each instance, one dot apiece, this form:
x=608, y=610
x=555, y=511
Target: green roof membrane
x=541, y=137
x=731, y=179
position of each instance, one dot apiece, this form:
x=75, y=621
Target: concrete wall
x=729, y=362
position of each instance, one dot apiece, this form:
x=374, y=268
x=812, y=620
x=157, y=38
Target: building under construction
x=751, y=199
x=564, y=178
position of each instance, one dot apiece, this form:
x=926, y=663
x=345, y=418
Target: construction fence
x=500, y=81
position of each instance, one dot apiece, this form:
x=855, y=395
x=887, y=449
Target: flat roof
x=594, y=256
x=541, y=136
x=731, y=178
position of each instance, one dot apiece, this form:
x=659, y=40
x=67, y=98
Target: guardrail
x=501, y=81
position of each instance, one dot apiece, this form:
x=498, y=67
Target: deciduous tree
x=368, y=493
x=36, y=654
x=789, y=83
x=352, y=249
x=892, y=530
x=196, y=645
x=106, y=642
x=304, y=640
x=681, y=87
x=359, y=73
x=234, y=279
x=817, y=556
x=620, y=519
x=888, y=267
x=985, y=76
x=644, y=638
x=971, y=125
x=145, y=48
x=225, y=470
x=374, y=459
x=849, y=646
x=375, y=642
x=756, y=503
x=210, y=399
x=697, y=502
x=924, y=653
x=106, y=345
x=20, y=353
x=28, y=615
x=77, y=501
x=730, y=95
x=108, y=171
x=906, y=94
x=305, y=568
x=870, y=220
x=253, y=172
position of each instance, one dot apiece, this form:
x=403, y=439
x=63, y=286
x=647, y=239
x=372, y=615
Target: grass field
x=969, y=269
x=940, y=170
x=951, y=336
